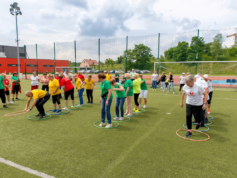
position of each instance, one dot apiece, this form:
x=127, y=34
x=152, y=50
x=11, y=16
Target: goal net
x=222, y=73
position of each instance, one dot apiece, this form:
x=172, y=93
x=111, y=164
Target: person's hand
x=107, y=103
x=181, y=105
x=204, y=107
x=100, y=100
x=54, y=92
x=25, y=109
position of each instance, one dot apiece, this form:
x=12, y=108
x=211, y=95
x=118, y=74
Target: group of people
x=199, y=96
x=133, y=86
x=6, y=86
x=56, y=86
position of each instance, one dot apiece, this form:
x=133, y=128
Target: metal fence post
x=158, y=54
x=54, y=58
x=75, y=51
x=25, y=59
x=197, y=50
x=37, y=72
x=126, y=54
x=99, y=53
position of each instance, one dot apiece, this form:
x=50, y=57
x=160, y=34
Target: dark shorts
x=7, y=92
x=210, y=97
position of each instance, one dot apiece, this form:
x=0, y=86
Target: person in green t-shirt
x=128, y=86
x=132, y=74
x=15, y=85
x=116, y=77
x=120, y=98
x=2, y=92
x=105, y=100
x=137, y=90
x=144, y=92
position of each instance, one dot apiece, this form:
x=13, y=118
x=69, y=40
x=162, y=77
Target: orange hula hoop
x=15, y=113
x=208, y=137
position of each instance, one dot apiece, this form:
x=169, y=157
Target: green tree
x=217, y=51
x=120, y=60
x=182, y=51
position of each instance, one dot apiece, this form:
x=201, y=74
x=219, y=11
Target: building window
x=31, y=65
x=12, y=65
x=48, y=66
x=22, y=54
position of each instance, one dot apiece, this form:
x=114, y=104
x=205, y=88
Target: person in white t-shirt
x=209, y=84
x=34, y=81
x=182, y=82
x=194, y=102
x=154, y=80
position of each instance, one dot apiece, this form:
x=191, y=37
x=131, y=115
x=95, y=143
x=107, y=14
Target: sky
x=45, y=21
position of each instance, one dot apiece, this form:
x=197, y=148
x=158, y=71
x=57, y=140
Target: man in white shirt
x=68, y=75
x=34, y=81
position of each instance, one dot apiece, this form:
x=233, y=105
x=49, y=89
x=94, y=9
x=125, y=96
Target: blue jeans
x=105, y=109
x=163, y=85
x=154, y=84
x=80, y=93
x=119, y=103
x=171, y=84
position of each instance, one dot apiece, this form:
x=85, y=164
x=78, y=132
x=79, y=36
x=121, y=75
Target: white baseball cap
x=183, y=73
x=197, y=76
x=206, y=76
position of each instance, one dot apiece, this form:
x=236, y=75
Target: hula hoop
x=84, y=105
x=209, y=123
x=210, y=117
x=15, y=113
x=29, y=117
x=122, y=120
x=105, y=127
x=208, y=137
x=196, y=124
x=54, y=113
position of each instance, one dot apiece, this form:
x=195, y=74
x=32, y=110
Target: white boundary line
x=26, y=169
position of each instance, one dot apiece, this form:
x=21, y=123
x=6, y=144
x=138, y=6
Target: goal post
x=223, y=73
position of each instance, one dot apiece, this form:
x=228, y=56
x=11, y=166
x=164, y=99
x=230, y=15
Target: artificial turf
x=71, y=146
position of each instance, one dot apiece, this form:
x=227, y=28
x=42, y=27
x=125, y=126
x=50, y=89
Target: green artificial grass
x=71, y=146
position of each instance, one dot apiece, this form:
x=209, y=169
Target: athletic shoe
x=121, y=118
x=108, y=126
x=5, y=106
x=116, y=118
x=197, y=126
x=17, y=99
x=155, y=89
x=152, y=89
x=38, y=115
x=206, y=120
x=144, y=106
x=10, y=102
x=54, y=110
x=208, y=112
x=134, y=109
x=188, y=134
x=137, y=110
x=58, y=111
x=102, y=124
x=129, y=115
x=12, y=99
x=72, y=106
x=88, y=102
x=139, y=106
x=202, y=125
x=92, y=102
x=173, y=92
x=42, y=117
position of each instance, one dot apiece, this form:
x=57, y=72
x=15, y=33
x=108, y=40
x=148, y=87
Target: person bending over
x=194, y=103
x=40, y=97
x=120, y=99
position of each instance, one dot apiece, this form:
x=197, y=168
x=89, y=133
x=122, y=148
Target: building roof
x=91, y=62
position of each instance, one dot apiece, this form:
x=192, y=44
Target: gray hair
x=189, y=78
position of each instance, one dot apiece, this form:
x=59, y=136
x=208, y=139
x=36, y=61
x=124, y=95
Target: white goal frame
x=63, y=67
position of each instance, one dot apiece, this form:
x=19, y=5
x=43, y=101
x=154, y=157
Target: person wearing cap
x=45, y=82
x=6, y=88
x=34, y=81
x=40, y=97
x=195, y=102
x=16, y=86
x=2, y=92
x=59, y=80
x=181, y=82
x=163, y=79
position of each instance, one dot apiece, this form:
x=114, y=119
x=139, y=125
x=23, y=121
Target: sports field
x=70, y=146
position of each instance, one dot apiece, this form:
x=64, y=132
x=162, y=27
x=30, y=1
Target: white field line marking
x=181, y=95
x=26, y=169
x=134, y=145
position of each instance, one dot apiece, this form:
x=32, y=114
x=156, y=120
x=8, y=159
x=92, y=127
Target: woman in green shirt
x=128, y=86
x=120, y=98
x=144, y=92
x=15, y=85
x=105, y=100
x=137, y=90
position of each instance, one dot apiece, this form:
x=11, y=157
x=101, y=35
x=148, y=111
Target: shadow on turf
x=219, y=138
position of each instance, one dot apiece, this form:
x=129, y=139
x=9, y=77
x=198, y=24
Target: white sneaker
x=108, y=126
x=102, y=124
x=116, y=118
x=72, y=106
x=152, y=89
x=10, y=102
x=144, y=106
x=173, y=92
x=139, y=106
x=155, y=89
x=121, y=118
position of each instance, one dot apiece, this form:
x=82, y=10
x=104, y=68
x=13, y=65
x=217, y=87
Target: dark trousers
x=181, y=86
x=15, y=89
x=195, y=111
x=89, y=94
x=136, y=95
x=40, y=104
x=2, y=95
x=45, y=87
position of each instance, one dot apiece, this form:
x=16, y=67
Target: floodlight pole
x=17, y=40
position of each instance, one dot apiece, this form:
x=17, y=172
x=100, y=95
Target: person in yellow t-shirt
x=80, y=88
x=90, y=84
x=55, y=91
x=108, y=76
x=40, y=97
